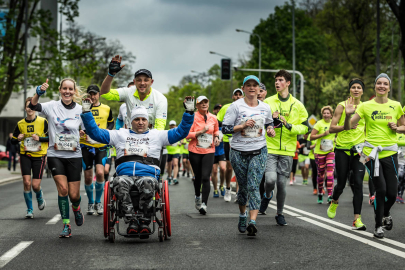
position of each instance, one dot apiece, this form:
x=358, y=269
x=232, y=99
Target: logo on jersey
x=61, y=124
x=77, y=116
x=380, y=115
x=95, y=112
x=392, y=107
x=164, y=115
x=262, y=112
x=150, y=105
x=30, y=128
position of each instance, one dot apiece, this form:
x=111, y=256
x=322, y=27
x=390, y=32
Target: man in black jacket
x=12, y=151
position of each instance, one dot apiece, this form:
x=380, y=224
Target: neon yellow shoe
x=358, y=225
x=332, y=209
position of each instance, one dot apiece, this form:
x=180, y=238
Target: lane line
x=54, y=220
x=286, y=211
x=12, y=253
x=355, y=237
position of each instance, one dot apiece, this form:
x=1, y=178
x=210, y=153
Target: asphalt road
x=310, y=241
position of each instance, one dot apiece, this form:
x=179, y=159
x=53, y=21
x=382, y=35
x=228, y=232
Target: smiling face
x=28, y=110
x=327, y=115
x=203, y=105
x=140, y=125
x=67, y=91
x=382, y=87
x=356, y=91
x=251, y=88
x=281, y=84
x=143, y=83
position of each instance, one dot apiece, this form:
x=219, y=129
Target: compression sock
x=99, y=191
x=89, y=192
x=63, y=203
x=28, y=199
x=106, y=176
x=38, y=194
x=76, y=205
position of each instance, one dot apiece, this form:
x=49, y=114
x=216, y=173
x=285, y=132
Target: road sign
x=312, y=121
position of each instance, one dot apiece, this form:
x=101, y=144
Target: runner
x=294, y=164
x=32, y=132
x=303, y=159
x=122, y=119
x=349, y=144
x=173, y=157
x=262, y=92
x=138, y=152
x=383, y=118
x=324, y=152
x=237, y=94
x=401, y=167
x=142, y=94
x=247, y=120
x=219, y=161
x=204, y=135
x=291, y=117
x=95, y=153
x=314, y=169
x=185, y=157
x=64, y=153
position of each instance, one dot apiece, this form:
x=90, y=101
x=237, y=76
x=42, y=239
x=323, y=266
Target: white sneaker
x=198, y=203
x=203, y=209
x=98, y=207
x=227, y=196
x=41, y=202
x=29, y=214
x=90, y=209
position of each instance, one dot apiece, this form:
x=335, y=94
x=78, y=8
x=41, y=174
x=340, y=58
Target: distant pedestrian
x=12, y=152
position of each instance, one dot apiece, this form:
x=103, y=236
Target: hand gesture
x=392, y=126
x=188, y=104
x=283, y=120
x=349, y=106
x=42, y=88
x=271, y=132
x=86, y=105
x=35, y=137
x=115, y=66
x=249, y=123
x=20, y=137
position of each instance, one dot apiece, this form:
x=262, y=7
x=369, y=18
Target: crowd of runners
x=257, y=140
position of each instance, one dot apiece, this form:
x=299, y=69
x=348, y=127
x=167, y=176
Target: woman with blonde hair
x=324, y=152
x=64, y=153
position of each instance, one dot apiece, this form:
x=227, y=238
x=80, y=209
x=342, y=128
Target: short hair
x=327, y=108
x=130, y=84
x=283, y=73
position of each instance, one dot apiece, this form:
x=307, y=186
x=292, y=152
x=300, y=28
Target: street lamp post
x=260, y=49
x=211, y=52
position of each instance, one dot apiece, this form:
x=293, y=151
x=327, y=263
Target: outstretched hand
x=349, y=106
x=188, y=104
x=42, y=88
x=115, y=66
x=87, y=103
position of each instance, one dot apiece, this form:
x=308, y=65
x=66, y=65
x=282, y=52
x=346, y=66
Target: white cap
x=172, y=123
x=201, y=98
x=139, y=111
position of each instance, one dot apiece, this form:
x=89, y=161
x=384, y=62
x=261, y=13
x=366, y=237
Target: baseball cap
x=236, y=90
x=251, y=77
x=217, y=106
x=201, y=98
x=262, y=86
x=145, y=72
x=172, y=122
x=93, y=88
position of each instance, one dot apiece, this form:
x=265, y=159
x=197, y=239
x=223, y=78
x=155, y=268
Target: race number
x=204, y=140
x=133, y=148
x=326, y=145
x=31, y=145
x=66, y=142
x=256, y=130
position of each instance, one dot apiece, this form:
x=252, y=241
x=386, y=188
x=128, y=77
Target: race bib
x=133, y=148
x=256, y=130
x=326, y=145
x=66, y=142
x=90, y=140
x=359, y=148
x=363, y=158
x=31, y=145
x=204, y=140
x=305, y=151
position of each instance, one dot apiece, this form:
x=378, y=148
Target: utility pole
x=377, y=58
x=25, y=55
x=392, y=58
x=293, y=41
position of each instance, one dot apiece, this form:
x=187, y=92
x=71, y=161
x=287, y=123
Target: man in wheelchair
x=138, y=154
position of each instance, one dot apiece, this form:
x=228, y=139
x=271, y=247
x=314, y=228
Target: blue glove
x=39, y=91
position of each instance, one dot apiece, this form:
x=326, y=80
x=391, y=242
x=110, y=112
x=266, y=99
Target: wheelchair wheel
x=107, y=210
x=168, y=224
x=111, y=235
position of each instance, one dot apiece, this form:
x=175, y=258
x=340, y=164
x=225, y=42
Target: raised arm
x=39, y=92
x=350, y=110
x=180, y=132
x=334, y=128
x=113, y=69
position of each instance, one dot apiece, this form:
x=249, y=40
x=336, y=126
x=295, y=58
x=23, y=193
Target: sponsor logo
x=378, y=115
x=150, y=105
x=392, y=107
x=95, y=112
x=77, y=116
x=30, y=128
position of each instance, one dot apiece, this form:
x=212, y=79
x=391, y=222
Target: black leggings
x=202, y=167
x=349, y=167
x=386, y=186
x=314, y=173
x=163, y=164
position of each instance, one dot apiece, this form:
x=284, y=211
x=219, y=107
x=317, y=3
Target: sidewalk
x=9, y=176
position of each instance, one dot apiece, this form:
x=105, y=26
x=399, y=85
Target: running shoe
x=30, y=213
x=184, y=173
x=133, y=227
x=371, y=200
x=358, y=225
x=401, y=200
x=320, y=199
x=387, y=223
x=228, y=196
x=143, y=228
x=216, y=194
x=67, y=232
x=294, y=179
x=315, y=192
x=305, y=182
x=79, y=218
x=203, y=209
x=169, y=179
x=265, y=203
x=291, y=182
x=222, y=189
x=397, y=199
x=188, y=175
x=41, y=202
x=198, y=203
x=242, y=223
x=251, y=228
x=281, y=220
x=332, y=210
x=329, y=199
x=379, y=232
x=90, y=209
x=98, y=207
x=175, y=182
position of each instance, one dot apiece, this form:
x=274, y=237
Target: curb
x=11, y=179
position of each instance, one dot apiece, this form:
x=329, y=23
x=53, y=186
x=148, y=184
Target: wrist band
x=110, y=75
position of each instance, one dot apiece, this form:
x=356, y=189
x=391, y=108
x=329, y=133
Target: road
x=310, y=240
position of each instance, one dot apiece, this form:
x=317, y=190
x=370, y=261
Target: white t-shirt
x=146, y=145
x=249, y=139
x=63, y=129
x=122, y=115
x=155, y=104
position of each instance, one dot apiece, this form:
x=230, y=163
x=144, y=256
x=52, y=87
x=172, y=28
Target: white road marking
x=54, y=220
x=286, y=211
x=12, y=253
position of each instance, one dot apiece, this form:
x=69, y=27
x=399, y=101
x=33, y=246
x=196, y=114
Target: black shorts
x=219, y=158
x=227, y=148
x=171, y=157
x=69, y=167
x=34, y=164
x=185, y=156
x=89, y=158
x=294, y=166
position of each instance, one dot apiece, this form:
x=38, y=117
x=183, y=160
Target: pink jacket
x=203, y=144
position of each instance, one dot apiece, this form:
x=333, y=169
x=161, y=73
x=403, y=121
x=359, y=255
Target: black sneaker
x=133, y=227
x=184, y=173
x=387, y=223
x=144, y=225
x=379, y=232
x=251, y=228
x=79, y=218
x=265, y=203
x=281, y=220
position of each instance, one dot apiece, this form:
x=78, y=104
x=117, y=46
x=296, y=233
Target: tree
x=45, y=60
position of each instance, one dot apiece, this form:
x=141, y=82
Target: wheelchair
x=113, y=214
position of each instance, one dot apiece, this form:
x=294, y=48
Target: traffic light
x=226, y=69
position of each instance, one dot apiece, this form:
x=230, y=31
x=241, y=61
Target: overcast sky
x=173, y=37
